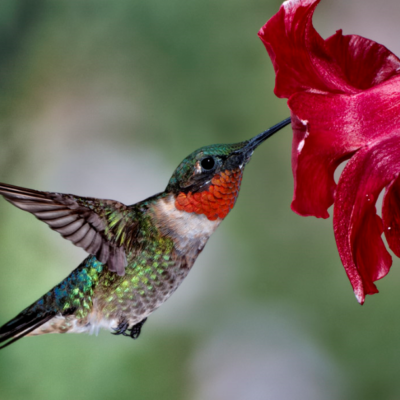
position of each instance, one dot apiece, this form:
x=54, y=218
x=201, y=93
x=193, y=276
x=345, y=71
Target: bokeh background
x=104, y=99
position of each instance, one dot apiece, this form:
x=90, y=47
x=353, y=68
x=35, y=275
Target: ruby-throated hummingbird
x=139, y=254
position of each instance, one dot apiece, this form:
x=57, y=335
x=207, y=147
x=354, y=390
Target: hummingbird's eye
x=208, y=163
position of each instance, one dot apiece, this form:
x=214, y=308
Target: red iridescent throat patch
x=217, y=201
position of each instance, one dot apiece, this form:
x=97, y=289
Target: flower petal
x=357, y=227
x=391, y=216
x=297, y=51
x=303, y=61
x=316, y=152
x=364, y=62
x=333, y=128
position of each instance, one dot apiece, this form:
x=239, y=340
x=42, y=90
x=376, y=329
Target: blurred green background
x=104, y=99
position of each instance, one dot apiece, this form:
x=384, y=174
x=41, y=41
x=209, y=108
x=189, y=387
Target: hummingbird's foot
x=136, y=329
x=134, y=332
x=121, y=329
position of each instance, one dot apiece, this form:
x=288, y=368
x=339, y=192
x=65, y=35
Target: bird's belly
x=148, y=282
x=71, y=324
x=146, y=285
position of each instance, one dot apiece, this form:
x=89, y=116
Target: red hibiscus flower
x=344, y=97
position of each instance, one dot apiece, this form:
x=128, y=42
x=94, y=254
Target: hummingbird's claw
x=136, y=329
x=121, y=328
x=134, y=332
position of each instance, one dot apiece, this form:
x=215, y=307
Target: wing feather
x=95, y=246
x=103, y=228
x=45, y=215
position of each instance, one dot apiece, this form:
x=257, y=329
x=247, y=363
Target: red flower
x=344, y=96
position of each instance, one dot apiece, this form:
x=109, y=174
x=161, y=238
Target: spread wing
x=104, y=228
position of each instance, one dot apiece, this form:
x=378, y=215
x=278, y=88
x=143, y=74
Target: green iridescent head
x=195, y=172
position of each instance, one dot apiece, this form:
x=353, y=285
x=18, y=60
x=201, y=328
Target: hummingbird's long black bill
x=257, y=140
x=248, y=147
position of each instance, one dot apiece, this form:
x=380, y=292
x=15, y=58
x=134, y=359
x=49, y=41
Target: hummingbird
x=138, y=254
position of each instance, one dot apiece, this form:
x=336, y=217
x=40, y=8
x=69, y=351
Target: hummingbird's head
x=208, y=180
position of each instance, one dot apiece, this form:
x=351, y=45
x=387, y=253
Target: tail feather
x=20, y=326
